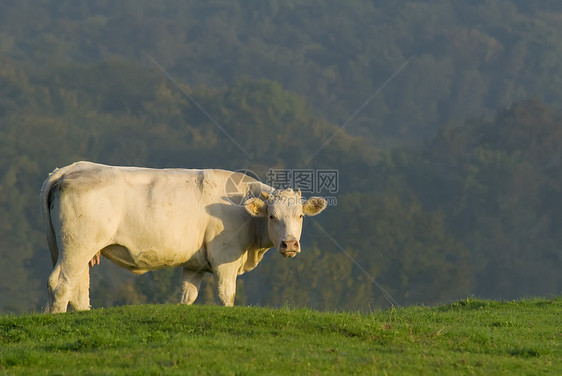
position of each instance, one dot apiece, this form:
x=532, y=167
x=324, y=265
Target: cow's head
x=284, y=211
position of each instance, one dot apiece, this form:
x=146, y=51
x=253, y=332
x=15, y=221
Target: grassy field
x=467, y=337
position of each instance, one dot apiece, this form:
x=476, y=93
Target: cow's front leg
x=190, y=283
x=225, y=280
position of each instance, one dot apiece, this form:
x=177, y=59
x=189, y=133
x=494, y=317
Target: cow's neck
x=261, y=235
x=257, y=249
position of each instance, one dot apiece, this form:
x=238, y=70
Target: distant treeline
x=474, y=211
x=466, y=59
x=449, y=180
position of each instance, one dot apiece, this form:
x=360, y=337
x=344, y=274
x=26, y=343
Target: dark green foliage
x=466, y=59
x=502, y=178
x=430, y=206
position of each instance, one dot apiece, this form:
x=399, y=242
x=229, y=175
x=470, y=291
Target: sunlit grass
x=470, y=336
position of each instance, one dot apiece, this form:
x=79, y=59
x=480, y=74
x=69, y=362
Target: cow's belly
x=167, y=231
x=143, y=260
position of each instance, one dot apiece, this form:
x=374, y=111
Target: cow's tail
x=46, y=199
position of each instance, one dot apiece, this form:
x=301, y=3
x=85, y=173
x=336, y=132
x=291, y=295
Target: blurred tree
x=474, y=210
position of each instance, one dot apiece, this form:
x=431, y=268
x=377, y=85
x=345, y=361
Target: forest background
x=441, y=119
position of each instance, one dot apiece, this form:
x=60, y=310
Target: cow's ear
x=314, y=205
x=255, y=207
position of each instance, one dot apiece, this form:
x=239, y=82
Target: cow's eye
x=271, y=217
x=300, y=216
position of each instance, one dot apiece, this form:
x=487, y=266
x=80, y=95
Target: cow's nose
x=290, y=245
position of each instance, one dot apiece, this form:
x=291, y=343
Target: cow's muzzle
x=289, y=248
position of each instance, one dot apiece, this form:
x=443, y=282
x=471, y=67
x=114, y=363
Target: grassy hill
x=467, y=337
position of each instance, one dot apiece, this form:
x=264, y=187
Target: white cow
x=205, y=221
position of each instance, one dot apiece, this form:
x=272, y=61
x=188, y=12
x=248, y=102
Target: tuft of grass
x=465, y=337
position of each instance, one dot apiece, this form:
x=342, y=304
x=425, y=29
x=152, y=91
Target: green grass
x=467, y=337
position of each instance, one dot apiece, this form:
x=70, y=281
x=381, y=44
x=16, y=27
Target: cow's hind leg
x=59, y=290
x=61, y=284
x=80, y=299
x=52, y=284
x=190, y=283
